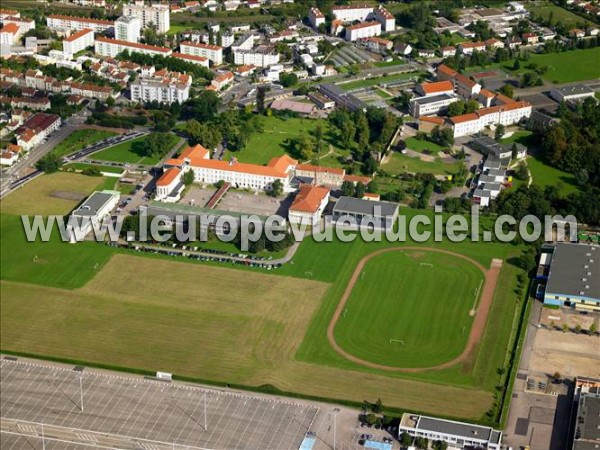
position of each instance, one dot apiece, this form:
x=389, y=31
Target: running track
x=481, y=315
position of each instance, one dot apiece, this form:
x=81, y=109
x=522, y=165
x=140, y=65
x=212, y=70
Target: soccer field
x=410, y=309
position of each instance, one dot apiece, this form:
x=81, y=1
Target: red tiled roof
x=358, y=26
x=82, y=19
x=168, y=177
x=464, y=118
x=432, y=119
x=10, y=28
x=319, y=169
x=443, y=68
x=133, y=44
x=357, y=179
x=438, y=86
x=200, y=45
x=79, y=34
x=309, y=198
x=191, y=57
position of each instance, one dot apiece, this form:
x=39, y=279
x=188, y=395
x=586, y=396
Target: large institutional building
x=162, y=87
x=157, y=15
x=78, y=41
x=57, y=22
x=212, y=52
x=128, y=28
x=112, y=47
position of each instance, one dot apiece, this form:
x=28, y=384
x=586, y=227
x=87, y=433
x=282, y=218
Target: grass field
x=545, y=175
x=351, y=85
x=567, y=67
x=559, y=14
x=272, y=142
x=400, y=163
x=420, y=146
x=423, y=309
x=241, y=326
x=131, y=151
x=80, y=139
x=82, y=166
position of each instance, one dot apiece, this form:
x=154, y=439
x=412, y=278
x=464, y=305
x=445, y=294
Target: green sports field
x=80, y=139
x=131, y=151
x=410, y=309
x=567, y=67
x=246, y=326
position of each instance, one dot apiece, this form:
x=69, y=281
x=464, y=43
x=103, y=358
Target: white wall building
x=362, y=30
x=431, y=105
x=261, y=56
x=213, y=52
x=385, y=18
x=509, y=114
x=456, y=434
x=240, y=175
x=157, y=15
x=78, y=41
x=112, y=47
x=170, y=185
x=93, y=210
x=309, y=204
x=166, y=90
x=351, y=13
x=128, y=28
x=315, y=17
x=59, y=22
x=574, y=93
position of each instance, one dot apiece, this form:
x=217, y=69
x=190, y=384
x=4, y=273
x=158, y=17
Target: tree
x=49, y=163
x=347, y=189
x=592, y=329
x=276, y=188
x=439, y=445
x=521, y=173
x=556, y=376
x=377, y=407
x=577, y=328
x=202, y=107
x=156, y=144
x=507, y=90
x=406, y=439
x=188, y=177
x=288, y=79
x=421, y=442
x=318, y=134
x=565, y=327
x=362, y=130
x=499, y=133
x=347, y=133
x=456, y=108
x=373, y=187
x=261, y=93
x=359, y=190
x=442, y=136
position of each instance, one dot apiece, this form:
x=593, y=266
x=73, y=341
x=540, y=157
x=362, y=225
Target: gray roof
x=587, y=434
x=94, y=203
x=571, y=265
x=578, y=89
x=481, y=193
x=487, y=179
x=462, y=429
x=365, y=207
x=342, y=98
x=434, y=99
x=496, y=172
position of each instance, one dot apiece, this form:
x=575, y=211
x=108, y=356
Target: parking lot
x=248, y=203
x=132, y=412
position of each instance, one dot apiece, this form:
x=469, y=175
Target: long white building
x=213, y=52
x=128, y=28
x=58, y=22
x=431, y=105
x=352, y=13
x=112, y=47
x=240, y=175
x=508, y=114
x=363, y=30
x=315, y=17
x=78, y=41
x=261, y=56
x=157, y=15
x=385, y=18
x=162, y=87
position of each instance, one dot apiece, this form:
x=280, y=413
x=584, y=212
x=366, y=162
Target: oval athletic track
x=477, y=329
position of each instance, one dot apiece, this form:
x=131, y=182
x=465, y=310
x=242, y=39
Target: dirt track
x=481, y=315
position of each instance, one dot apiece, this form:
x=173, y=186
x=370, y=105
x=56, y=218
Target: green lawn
x=80, y=139
x=567, y=67
x=559, y=14
x=61, y=303
x=376, y=81
x=174, y=29
x=132, y=152
x=393, y=63
x=545, y=175
x=82, y=166
x=382, y=93
x=261, y=147
x=422, y=145
x=399, y=298
x=400, y=163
